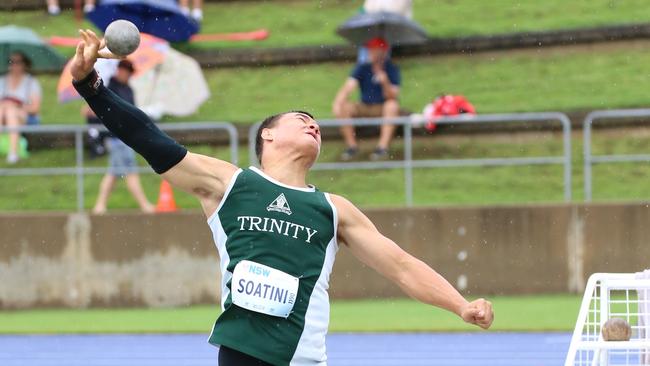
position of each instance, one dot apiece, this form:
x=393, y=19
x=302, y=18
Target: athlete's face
x=298, y=130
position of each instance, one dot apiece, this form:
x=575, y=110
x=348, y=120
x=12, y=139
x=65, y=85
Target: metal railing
x=408, y=163
x=589, y=159
x=79, y=170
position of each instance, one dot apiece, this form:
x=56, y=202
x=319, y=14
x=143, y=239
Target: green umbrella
x=25, y=40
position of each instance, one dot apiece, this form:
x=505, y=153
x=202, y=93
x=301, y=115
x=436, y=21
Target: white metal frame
x=601, y=284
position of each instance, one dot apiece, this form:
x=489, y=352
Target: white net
x=607, y=296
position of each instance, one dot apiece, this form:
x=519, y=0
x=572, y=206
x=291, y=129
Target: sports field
x=364, y=332
x=529, y=330
x=513, y=313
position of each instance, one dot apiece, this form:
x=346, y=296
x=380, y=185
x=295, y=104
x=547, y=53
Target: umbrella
x=161, y=18
x=176, y=87
x=150, y=53
x=165, y=81
x=394, y=28
x=43, y=57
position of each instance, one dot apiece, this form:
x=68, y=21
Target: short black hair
x=269, y=122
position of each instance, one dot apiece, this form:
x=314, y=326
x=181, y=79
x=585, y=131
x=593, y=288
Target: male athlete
x=276, y=235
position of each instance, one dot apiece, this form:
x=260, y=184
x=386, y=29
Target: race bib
x=263, y=289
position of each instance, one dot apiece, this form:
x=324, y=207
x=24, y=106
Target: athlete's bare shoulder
x=203, y=176
x=348, y=214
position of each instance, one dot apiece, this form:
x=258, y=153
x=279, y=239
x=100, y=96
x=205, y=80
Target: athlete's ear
x=267, y=134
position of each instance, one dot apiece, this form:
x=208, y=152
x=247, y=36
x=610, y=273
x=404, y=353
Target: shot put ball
x=616, y=329
x=122, y=37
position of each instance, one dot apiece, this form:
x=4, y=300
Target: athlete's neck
x=292, y=173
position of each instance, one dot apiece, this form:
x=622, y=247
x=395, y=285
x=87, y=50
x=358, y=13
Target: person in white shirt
x=20, y=97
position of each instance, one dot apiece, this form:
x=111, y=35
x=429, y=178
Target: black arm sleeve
x=130, y=124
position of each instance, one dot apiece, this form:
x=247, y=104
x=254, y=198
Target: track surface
x=412, y=349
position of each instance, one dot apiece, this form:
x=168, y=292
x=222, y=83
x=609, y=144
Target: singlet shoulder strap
x=231, y=184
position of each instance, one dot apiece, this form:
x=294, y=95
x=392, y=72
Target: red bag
x=446, y=105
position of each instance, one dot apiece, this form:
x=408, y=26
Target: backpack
x=444, y=106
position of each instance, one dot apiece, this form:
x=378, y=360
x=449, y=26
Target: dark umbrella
x=24, y=40
x=394, y=28
x=161, y=18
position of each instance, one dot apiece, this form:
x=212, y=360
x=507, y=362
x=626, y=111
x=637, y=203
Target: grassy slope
x=295, y=23
x=551, y=312
x=565, y=79
x=589, y=77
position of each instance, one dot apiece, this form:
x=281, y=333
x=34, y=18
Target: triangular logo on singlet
x=280, y=204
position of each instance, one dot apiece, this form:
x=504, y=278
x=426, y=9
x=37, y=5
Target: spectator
x=20, y=99
x=379, y=82
x=196, y=12
x=53, y=7
x=121, y=157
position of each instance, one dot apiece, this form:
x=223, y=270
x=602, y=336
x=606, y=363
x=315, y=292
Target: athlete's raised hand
x=478, y=312
x=89, y=49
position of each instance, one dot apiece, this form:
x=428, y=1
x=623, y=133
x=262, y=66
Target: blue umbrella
x=161, y=18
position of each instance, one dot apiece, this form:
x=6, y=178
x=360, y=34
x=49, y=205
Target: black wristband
x=88, y=86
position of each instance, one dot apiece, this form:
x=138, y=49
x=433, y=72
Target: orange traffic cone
x=166, y=202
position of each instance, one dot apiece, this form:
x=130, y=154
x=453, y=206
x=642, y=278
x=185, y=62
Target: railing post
x=587, y=156
x=252, y=135
x=566, y=134
x=408, y=163
x=234, y=144
x=79, y=152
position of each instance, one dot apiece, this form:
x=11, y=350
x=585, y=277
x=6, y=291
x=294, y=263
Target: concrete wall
x=169, y=260
x=124, y=260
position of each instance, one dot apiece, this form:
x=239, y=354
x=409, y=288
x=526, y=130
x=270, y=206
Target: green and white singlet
x=277, y=245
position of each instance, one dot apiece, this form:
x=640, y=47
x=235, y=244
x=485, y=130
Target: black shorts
x=231, y=357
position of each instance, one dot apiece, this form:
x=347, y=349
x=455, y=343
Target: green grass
x=297, y=23
x=574, y=78
x=521, y=313
x=565, y=78
x=438, y=187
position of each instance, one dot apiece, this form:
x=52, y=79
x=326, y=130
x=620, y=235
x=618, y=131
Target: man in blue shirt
x=379, y=83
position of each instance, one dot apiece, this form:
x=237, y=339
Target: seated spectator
x=53, y=7
x=196, y=12
x=20, y=98
x=379, y=82
x=122, y=161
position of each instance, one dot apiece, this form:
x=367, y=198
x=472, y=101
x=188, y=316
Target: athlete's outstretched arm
x=413, y=276
x=200, y=175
